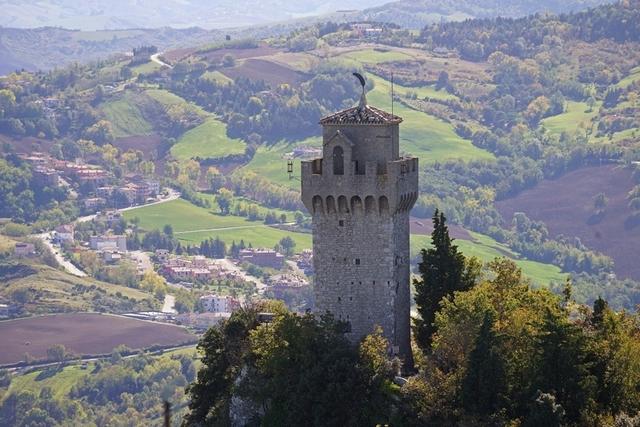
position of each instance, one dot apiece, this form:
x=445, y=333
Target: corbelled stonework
x=359, y=194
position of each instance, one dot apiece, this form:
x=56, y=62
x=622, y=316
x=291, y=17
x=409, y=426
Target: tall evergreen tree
x=484, y=383
x=562, y=364
x=443, y=271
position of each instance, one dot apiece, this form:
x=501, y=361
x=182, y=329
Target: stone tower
x=359, y=194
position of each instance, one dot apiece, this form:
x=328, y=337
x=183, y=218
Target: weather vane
x=362, y=81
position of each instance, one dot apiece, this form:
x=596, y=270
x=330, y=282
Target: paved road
x=169, y=304
x=142, y=259
x=67, y=265
x=156, y=58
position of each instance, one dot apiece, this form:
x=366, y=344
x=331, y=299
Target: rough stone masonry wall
x=362, y=272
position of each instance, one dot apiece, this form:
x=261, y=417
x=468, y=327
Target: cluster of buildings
x=111, y=247
x=219, y=304
x=49, y=171
x=262, y=257
x=366, y=29
x=193, y=269
x=136, y=190
x=304, y=261
x=282, y=284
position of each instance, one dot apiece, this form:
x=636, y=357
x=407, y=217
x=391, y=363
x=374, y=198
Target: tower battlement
x=360, y=193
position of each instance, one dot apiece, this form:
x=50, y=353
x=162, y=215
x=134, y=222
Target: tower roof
x=362, y=114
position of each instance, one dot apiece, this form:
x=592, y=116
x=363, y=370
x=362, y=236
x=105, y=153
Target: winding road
x=68, y=265
x=156, y=58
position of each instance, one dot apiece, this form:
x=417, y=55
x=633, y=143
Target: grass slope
x=53, y=290
x=423, y=135
x=167, y=99
x=125, y=117
x=486, y=249
x=576, y=113
x=209, y=140
x=373, y=56
x=269, y=162
x=192, y=224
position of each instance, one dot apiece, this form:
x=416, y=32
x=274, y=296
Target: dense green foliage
x=534, y=348
x=521, y=36
x=294, y=370
x=24, y=199
x=443, y=271
x=119, y=391
x=256, y=114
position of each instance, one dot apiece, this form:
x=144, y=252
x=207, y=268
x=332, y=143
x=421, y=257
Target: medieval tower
x=359, y=194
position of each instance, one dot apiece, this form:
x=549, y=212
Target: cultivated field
x=566, y=206
x=216, y=56
x=259, y=69
x=84, y=334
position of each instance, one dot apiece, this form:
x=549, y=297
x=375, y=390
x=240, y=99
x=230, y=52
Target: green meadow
x=423, y=135
x=216, y=76
x=633, y=76
x=576, y=113
x=486, y=249
x=125, y=117
x=192, y=224
x=146, y=68
x=208, y=140
x=270, y=162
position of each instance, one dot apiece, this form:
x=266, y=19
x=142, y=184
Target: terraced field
x=373, y=56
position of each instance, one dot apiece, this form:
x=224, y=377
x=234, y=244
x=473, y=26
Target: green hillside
x=423, y=135
x=125, y=116
x=487, y=249
x=209, y=140
x=192, y=224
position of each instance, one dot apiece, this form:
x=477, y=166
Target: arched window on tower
x=338, y=161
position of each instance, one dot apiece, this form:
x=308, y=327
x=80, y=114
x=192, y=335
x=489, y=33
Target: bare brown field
x=83, y=334
x=27, y=144
x=215, y=56
x=176, y=55
x=424, y=226
x=566, y=206
x=270, y=72
x=145, y=143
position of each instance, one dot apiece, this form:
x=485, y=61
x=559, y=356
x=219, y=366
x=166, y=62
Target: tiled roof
x=362, y=114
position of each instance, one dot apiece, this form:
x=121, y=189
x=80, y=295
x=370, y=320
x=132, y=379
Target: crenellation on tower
x=360, y=194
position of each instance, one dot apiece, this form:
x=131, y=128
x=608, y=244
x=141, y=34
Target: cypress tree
x=442, y=272
x=484, y=382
